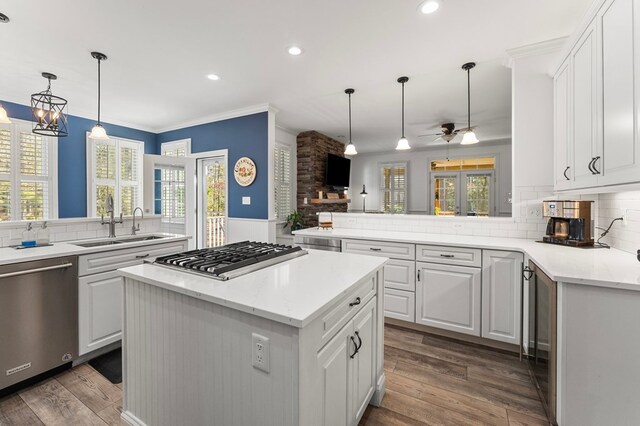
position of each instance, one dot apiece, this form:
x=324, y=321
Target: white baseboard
x=132, y=420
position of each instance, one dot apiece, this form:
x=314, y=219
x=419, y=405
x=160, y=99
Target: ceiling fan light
x=350, y=149
x=469, y=138
x=4, y=118
x=98, y=132
x=429, y=6
x=403, y=145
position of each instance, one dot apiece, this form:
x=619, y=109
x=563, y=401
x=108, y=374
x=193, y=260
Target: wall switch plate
x=246, y=201
x=260, y=352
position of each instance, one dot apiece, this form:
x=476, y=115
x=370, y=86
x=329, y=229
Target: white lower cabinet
x=100, y=310
x=501, y=293
x=400, y=304
x=449, y=297
x=400, y=274
x=100, y=291
x=348, y=369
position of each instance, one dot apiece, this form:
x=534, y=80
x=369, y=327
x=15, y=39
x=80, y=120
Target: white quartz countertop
x=594, y=266
x=293, y=292
x=9, y=255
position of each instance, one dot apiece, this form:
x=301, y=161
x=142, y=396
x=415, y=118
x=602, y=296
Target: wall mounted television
x=338, y=171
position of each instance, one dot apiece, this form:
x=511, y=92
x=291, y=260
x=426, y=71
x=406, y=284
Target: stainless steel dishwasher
x=318, y=243
x=38, y=317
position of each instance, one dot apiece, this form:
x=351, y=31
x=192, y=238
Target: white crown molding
x=535, y=49
x=90, y=116
x=219, y=117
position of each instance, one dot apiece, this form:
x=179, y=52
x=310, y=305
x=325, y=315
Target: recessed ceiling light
x=429, y=6
x=4, y=19
x=213, y=77
x=294, y=51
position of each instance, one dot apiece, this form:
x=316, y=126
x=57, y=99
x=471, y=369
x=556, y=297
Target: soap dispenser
x=42, y=237
x=29, y=236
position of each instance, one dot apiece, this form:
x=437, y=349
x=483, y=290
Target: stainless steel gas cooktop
x=231, y=260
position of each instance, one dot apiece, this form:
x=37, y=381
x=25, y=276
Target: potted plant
x=294, y=220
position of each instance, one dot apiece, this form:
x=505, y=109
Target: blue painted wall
x=243, y=137
x=72, y=157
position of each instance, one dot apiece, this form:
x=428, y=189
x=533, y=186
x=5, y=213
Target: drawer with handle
x=449, y=255
x=402, y=251
x=105, y=261
x=348, y=306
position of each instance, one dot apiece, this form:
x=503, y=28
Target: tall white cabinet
x=596, y=101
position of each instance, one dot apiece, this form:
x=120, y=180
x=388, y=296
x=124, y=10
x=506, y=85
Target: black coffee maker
x=569, y=223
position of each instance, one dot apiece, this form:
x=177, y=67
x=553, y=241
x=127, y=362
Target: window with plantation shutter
x=115, y=167
x=393, y=188
x=27, y=173
x=282, y=187
x=172, y=183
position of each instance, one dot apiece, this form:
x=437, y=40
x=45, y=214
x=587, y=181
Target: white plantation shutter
x=173, y=197
x=115, y=167
x=180, y=148
x=393, y=187
x=282, y=181
x=27, y=169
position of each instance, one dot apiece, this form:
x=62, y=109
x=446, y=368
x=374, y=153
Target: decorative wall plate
x=245, y=171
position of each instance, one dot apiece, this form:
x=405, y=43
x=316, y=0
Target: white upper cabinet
x=596, y=97
x=621, y=157
x=563, y=156
x=585, y=107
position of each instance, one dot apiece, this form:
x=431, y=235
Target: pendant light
x=403, y=143
x=98, y=132
x=4, y=118
x=469, y=137
x=49, y=111
x=351, y=148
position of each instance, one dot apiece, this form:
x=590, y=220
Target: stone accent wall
x=312, y=150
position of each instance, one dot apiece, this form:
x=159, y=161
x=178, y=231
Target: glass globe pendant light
x=403, y=143
x=469, y=137
x=98, y=132
x=351, y=148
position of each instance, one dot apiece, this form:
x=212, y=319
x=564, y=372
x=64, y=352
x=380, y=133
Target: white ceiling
x=160, y=53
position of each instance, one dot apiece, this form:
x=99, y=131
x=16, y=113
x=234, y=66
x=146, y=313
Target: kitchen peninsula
x=291, y=344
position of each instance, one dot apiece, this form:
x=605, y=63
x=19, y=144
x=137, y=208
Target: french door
x=464, y=193
x=212, y=201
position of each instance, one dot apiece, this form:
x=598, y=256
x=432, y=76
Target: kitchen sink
x=147, y=238
x=98, y=243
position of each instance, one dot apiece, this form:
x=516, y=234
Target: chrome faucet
x=135, y=229
x=112, y=221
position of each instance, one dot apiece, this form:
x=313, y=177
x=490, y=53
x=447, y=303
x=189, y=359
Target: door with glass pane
x=446, y=194
x=462, y=194
x=212, y=201
x=393, y=188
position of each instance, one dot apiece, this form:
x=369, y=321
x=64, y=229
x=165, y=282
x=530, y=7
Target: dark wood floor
x=430, y=381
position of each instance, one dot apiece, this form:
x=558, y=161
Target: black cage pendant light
x=351, y=148
x=469, y=137
x=98, y=132
x=50, y=116
x=403, y=143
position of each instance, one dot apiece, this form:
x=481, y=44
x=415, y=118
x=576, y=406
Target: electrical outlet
x=246, y=201
x=534, y=212
x=260, y=352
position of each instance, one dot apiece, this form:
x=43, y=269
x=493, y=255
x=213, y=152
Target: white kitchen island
x=196, y=351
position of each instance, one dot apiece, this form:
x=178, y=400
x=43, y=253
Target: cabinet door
x=448, y=297
x=501, y=293
x=585, y=108
x=99, y=310
x=364, y=363
x=562, y=142
x=400, y=274
x=400, y=304
x=620, y=161
x=336, y=368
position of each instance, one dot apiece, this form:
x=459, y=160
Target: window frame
x=392, y=190
x=15, y=178
x=184, y=143
x=92, y=180
x=282, y=216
